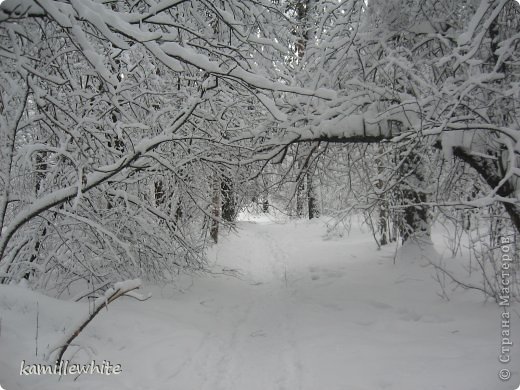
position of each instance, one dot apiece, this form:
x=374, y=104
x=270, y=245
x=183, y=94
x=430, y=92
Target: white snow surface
x=303, y=311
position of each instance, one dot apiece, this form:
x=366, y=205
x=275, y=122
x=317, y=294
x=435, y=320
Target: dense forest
x=133, y=132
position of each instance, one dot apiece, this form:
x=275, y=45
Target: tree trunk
x=159, y=193
x=490, y=172
x=300, y=197
x=265, y=204
x=229, y=206
x=312, y=202
x=384, y=221
x=215, y=210
x=416, y=221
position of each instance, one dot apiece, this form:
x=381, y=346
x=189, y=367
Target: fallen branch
x=493, y=294
x=110, y=296
x=82, y=295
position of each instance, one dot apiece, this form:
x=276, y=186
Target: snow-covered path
x=301, y=312
x=247, y=340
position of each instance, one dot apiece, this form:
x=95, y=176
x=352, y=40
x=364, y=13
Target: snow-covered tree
x=116, y=120
x=129, y=128
x=436, y=74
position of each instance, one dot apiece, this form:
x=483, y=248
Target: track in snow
x=305, y=312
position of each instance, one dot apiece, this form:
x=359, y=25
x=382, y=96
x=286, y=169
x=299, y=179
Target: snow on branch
x=92, y=180
x=170, y=53
x=118, y=290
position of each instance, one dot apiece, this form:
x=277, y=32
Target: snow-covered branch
x=118, y=290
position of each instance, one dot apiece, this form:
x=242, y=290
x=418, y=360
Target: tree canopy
x=129, y=129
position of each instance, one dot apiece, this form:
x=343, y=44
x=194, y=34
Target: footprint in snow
x=379, y=305
x=258, y=333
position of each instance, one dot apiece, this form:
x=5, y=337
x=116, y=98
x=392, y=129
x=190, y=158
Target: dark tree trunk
x=416, y=221
x=300, y=191
x=215, y=210
x=300, y=198
x=265, y=205
x=159, y=192
x=385, y=232
x=36, y=250
x=312, y=202
x=490, y=172
x=178, y=214
x=383, y=224
x=229, y=211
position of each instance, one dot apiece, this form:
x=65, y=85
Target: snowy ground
x=305, y=312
